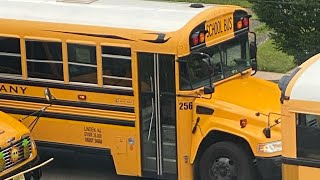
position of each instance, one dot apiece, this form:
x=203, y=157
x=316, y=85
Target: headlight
x=270, y=147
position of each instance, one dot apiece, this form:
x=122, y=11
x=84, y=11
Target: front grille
x=22, y=151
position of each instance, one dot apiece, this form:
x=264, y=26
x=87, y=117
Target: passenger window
x=116, y=62
x=82, y=62
x=308, y=135
x=44, y=59
x=10, y=55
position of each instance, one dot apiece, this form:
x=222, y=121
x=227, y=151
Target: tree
x=295, y=25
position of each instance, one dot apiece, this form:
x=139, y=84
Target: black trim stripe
x=94, y=35
x=73, y=147
x=68, y=103
x=160, y=38
x=72, y=117
x=66, y=86
x=301, y=162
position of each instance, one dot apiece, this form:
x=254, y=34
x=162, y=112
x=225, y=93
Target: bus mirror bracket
x=267, y=131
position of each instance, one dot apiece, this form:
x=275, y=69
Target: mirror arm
x=274, y=124
x=21, y=119
x=182, y=95
x=206, y=97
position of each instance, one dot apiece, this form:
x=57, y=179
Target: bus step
x=168, y=149
x=169, y=133
x=169, y=165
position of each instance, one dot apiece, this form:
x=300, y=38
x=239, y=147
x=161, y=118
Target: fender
x=250, y=133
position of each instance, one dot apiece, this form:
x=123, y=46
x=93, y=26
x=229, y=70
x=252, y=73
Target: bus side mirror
x=253, y=50
x=253, y=55
x=267, y=132
x=48, y=95
x=208, y=89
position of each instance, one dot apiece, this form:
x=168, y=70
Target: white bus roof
x=307, y=86
x=132, y=14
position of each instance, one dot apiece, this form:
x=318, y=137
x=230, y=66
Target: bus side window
x=44, y=59
x=308, y=135
x=10, y=55
x=82, y=62
x=116, y=64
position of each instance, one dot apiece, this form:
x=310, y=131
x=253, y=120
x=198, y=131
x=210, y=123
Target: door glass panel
x=158, y=115
x=168, y=113
x=147, y=111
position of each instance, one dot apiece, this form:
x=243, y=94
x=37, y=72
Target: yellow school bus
x=136, y=79
x=17, y=149
x=301, y=122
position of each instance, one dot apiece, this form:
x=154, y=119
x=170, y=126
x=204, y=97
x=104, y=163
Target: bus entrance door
x=158, y=115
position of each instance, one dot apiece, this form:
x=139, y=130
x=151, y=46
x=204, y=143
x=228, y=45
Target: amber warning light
x=198, y=38
x=243, y=23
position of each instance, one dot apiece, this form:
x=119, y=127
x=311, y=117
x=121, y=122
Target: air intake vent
x=77, y=1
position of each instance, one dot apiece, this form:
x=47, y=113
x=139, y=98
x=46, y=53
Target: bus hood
x=250, y=93
x=10, y=130
x=242, y=98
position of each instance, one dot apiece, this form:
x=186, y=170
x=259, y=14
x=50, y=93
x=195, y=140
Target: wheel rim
x=223, y=168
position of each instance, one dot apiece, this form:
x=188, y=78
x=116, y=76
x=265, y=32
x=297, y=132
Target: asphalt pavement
x=69, y=165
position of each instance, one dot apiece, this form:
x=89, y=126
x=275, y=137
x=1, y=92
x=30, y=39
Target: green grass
x=243, y=3
x=262, y=29
x=271, y=59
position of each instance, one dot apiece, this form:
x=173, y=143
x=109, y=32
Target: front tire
x=225, y=161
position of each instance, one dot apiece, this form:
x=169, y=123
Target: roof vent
x=196, y=5
x=77, y=1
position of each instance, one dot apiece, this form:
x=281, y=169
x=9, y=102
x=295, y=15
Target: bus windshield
x=228, y=58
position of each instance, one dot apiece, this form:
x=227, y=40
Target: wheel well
x=218, y=136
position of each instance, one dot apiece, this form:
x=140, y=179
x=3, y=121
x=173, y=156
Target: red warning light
x=195, y=39
x=245, y=22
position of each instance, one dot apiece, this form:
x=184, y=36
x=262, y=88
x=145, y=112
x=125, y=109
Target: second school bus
x=301, y=121
x=135, y=79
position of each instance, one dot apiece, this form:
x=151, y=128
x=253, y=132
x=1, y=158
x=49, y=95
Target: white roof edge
x=132, y=14
x=307, y=86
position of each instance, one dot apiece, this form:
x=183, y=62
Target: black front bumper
x=35, y=173
x=269, y=168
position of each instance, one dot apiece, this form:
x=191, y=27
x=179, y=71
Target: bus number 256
x=185, y=105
